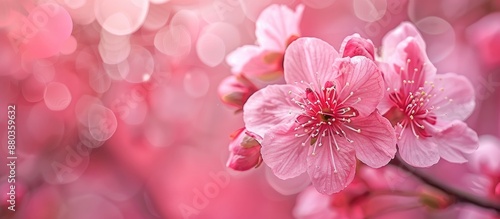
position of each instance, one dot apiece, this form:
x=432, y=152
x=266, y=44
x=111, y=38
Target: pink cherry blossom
x=484, y=163
x=426, y=108
x=485, y=35
x=323, y=118
x=276, y=27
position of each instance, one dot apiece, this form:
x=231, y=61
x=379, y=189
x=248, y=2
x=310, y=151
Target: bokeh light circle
x=113, y=48
x=112, y=71
x=87, y=139
x=74, y=4
x=99, y=80
x=82, y=108
x=46, y=26
x=211, y=49
x=187, y=19
x=121, y=17
x=370, y=10
x=102, y=122
x=439, y=35
x=43, y=70
x=139, y=63
x=229, y=34
x=173, y=40
x=57, y=96
x=157, y=17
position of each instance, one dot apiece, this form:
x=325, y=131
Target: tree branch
x=459, y=195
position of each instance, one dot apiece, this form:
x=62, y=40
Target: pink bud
x=235, y=90
x=291, y=39
x=244, y=151
x=435, y=199
x=355, y=45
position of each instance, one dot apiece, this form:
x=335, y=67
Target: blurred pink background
x=117, y=111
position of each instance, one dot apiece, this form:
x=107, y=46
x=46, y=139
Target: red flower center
x=324, y=115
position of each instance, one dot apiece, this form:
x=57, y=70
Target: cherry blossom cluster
x=342, y=116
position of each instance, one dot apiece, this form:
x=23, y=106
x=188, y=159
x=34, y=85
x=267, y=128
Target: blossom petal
x=454, y=97
x=399, y=34
x=385, y=104
x=283, y=152
x=411, y=61
x=243, y=163
x=238, y=58
x=255, y=62
x=310, y=60
x=375, y=144
x=360, y=84
x=455, y=141
x=355, y=45
x=418, y=152
x=322, y=165
x=392, y=84
x=484, y=159
x=312, y=204
x=391, y=77
x=269, y=107
x=276, y=24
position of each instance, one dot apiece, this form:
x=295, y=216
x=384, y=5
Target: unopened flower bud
x=244, y=151
x=355, y=45
x=435, y=199
x=235, y=90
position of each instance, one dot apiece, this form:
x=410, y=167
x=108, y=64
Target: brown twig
x=459, y=195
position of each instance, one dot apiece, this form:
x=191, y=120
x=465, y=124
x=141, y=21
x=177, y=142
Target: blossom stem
x=458, y=195
x=393, y=209
x=394, y=193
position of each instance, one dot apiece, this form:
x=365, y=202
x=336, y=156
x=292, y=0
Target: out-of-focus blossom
x=355, y=45
x=363, y=197
x=343, y=205
x=484, y=162
x=244, y=151
x=323, y=118
x=473, y=212
x=485, y=35
x=235, y=90
x=276, y=27
x=426, y=108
